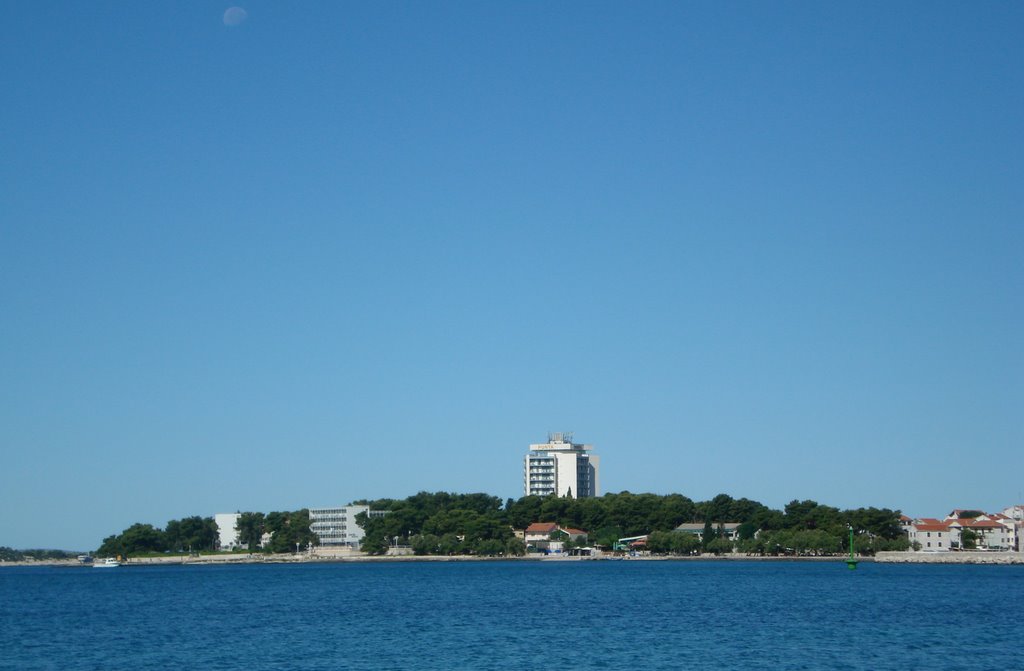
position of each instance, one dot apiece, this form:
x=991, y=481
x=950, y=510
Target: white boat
x=109, y=562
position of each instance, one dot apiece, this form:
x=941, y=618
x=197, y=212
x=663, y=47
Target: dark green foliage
x=288, y=530
x=250, y=529
x=448, y=523
x=720, y=546
x=968, y=539
x=439, y=523
x=136, y=539
x=805, y=527
x=10, y=554
x=195, y=534
x=671, y=542
x=707, y=535
x=880, y=522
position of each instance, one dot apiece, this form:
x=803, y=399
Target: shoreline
x=987, y=558
x=963, y=557
x=208, y=560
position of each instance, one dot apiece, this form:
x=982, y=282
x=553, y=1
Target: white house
x=550, y=537
x=933, y=535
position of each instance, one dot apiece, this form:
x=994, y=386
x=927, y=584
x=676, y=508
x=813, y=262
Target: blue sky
x=345, y=251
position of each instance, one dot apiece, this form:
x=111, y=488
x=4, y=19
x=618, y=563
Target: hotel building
x=561, y=467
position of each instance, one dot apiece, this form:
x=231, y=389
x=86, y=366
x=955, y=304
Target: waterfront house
x=550, y=537
x=991, y=531
x=933, y=535
x=990, y=534
x=729, y=530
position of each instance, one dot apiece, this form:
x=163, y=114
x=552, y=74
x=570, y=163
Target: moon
x=234, y=16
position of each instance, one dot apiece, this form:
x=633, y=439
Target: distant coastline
x=993, y=558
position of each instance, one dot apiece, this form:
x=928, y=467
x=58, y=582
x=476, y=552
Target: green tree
x=250, y=529
x=606, y=536
x=880, y=522
x=968, y=539
x=685, y=543
x=707, y=535
x=489, y=547
x=660, y=542
x=720, y=546
x=136, y=539
x=111, y=547
x=375, y=544
x=192, y=533
x=746, y=530
x=425, y=544
x=515, y=547
x=449, y=545
x=289, y=530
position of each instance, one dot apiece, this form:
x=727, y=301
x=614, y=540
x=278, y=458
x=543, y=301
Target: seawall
x=950, y=557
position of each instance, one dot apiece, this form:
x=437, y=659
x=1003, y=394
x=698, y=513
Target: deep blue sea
x=515, y=615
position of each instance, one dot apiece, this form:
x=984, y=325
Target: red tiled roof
x=574, y=532
x=541, y=528
x=931, y=520
x=931, y=527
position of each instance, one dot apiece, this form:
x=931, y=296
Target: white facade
x=934, y=537
x=337, y=526
x=561, y=467
x=227, y=534
x=1016, y=516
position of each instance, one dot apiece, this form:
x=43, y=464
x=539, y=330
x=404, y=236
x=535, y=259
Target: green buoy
x=851, y=563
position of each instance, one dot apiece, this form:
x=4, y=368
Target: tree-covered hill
x=446, y=523
x=449, y=523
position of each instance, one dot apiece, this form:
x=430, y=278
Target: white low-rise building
x=338, y=526
x=550, y=537
x=728, y=530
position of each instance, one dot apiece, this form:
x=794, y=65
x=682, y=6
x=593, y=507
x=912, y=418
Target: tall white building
x=561, y=467
x=227, y=534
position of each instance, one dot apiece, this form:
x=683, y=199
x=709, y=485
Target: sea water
x=515, y=615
